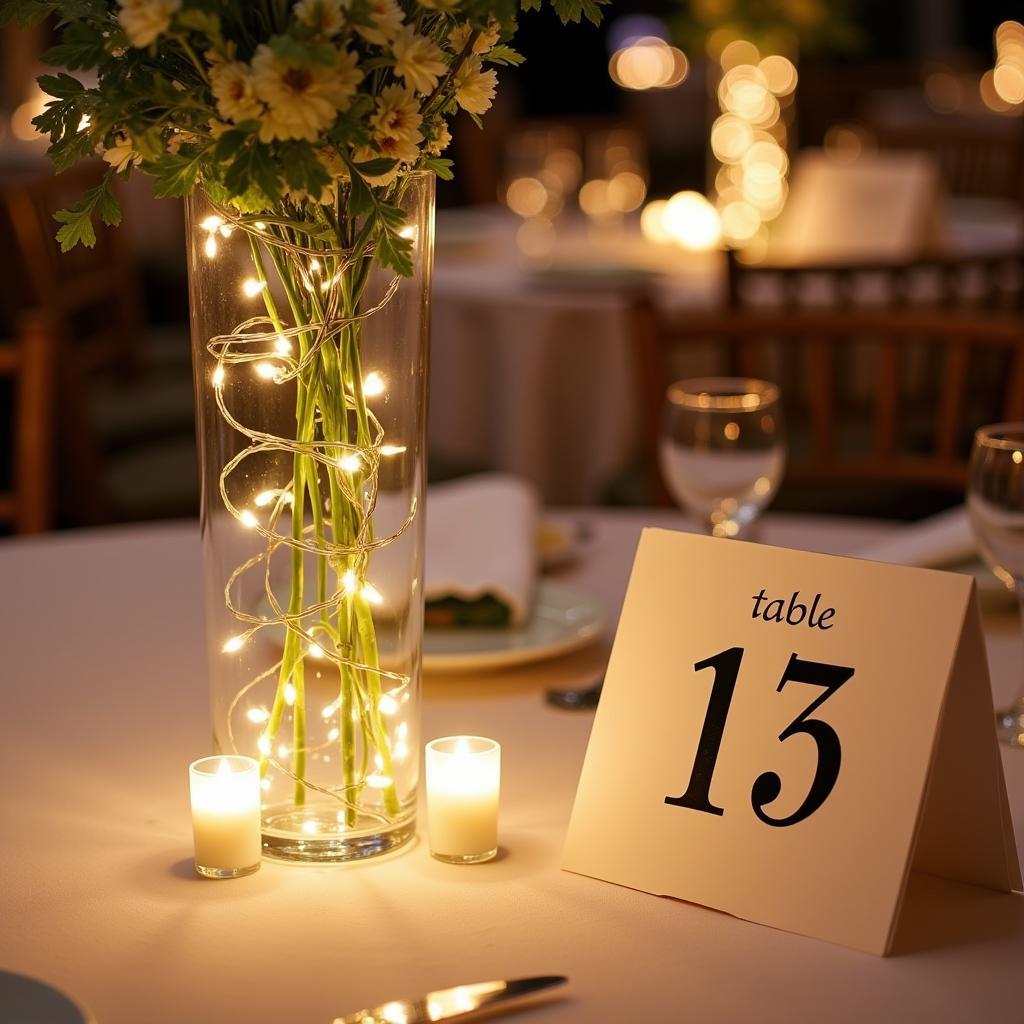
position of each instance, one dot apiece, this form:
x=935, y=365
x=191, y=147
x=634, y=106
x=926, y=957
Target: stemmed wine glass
x=722, y=449
x=995, y=503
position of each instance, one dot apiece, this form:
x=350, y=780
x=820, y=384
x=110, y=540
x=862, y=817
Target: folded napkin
x=481, y=551
x=943, y=539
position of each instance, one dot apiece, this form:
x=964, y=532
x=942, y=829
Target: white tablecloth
x=105, y=705
x=532, y=371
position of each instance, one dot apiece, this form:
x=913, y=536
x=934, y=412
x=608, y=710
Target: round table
x=106, y=704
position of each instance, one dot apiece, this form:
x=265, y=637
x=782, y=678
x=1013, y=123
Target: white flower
x=121, y=155
x=459, y=36
x=417, y=60
x=385, y=21
x=144, y=20
x=323, y=15
x=233, y=87
x=440, y=142
x=474, y=87
x=303, y=99
x=396, y=124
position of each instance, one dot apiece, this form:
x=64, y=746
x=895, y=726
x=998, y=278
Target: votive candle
x=225, y=793
x=463, y=786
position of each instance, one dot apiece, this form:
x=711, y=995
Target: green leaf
x=61, y=86
x=70, y=148
x=502, y=54
x=176, y=174
x=302, y=169
x=77, y=218
x=376, y=168
x=26, y=12
x=393, y=250
x=441, y=166
x=350, y=130
x=81, y=46
x=196, y=20
x=253, y=166
x=233, y=140
x=288, y=48
x=575, y=10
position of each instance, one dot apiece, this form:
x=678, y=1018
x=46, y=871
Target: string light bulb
x=351, y=462
x=257, y=715
x=247, y=519
x=392, y=449
x=371, y=594
x=283, y=345
x=268, y=371
x=289, y=694
x=373, y=385
x=252, y=287
x=211, y=247
x=233, y=643
x=218, y=377
x=211, y=223
x=387, y=704
x=350, y=582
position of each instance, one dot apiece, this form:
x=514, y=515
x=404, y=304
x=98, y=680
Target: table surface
x=104, y=673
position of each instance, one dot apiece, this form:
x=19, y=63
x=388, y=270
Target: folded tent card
x=791, y=734
x=481, y=551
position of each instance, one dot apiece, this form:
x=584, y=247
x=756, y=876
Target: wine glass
x=995, y=503
x=722, y=449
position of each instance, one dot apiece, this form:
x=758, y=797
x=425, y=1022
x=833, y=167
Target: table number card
x=785, y=735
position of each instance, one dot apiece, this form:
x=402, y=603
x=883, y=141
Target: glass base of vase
x=204, y=872
x=299, y=835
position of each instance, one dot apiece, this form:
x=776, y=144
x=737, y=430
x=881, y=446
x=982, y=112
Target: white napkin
x=943, y=539
x=481, y=539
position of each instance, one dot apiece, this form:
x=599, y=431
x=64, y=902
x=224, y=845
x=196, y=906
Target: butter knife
x=451, y=1003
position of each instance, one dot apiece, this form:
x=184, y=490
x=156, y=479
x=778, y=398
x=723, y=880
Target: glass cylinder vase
x=310, y=361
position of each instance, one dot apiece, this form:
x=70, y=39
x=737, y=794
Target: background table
x=532, y=366
x=105, y=704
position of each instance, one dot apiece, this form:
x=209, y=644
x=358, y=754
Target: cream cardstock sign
x=784, y=735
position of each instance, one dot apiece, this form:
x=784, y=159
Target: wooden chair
x=125, y=411
x=852, y=416
x=92, y=294
x=980, y=156
x=988, y=281
x=27, y=362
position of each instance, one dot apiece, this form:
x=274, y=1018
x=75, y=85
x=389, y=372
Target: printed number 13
x=767, y=786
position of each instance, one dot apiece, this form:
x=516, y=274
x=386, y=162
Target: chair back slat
x=821, y=400
x=887, y=397
x=29, y=361
x=951, y=398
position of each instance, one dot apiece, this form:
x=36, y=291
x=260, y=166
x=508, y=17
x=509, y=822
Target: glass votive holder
x=225, y=792
x=463, y=786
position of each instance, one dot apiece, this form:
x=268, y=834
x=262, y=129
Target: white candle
x=225, y=795
x=463, y=783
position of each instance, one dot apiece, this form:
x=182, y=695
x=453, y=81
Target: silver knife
x=451, y=1003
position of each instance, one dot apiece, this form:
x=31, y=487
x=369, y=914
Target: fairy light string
x=320, y=353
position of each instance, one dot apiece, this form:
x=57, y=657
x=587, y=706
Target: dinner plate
x=564, y=619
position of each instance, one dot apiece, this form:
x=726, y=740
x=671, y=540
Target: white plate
x=564, y=619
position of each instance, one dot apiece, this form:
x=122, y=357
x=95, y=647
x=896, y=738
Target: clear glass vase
x=310, y=363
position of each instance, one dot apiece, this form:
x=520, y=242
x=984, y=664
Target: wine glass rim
x=990, y=436
x=723, y=394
